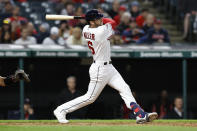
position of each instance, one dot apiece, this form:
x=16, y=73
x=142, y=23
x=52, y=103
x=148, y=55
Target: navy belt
x=104, y=63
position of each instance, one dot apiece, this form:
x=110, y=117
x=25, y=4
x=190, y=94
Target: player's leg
x=94, y=90
x=119, y=84
x=96, y=85
x=123, y=88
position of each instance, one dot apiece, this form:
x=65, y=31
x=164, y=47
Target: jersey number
x=90, y=47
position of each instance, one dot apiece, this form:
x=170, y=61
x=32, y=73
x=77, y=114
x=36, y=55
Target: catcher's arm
x=14, y=78
x=2, y=81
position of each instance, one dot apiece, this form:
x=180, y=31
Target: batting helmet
x=93, y=15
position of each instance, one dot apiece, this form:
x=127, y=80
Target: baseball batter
x=102, y=72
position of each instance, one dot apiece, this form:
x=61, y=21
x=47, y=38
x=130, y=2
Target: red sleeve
x=140, y=21
x=110, y=21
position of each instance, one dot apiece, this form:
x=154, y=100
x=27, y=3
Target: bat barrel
x=62, y=17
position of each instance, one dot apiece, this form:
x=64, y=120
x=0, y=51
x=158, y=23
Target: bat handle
x=79, y=17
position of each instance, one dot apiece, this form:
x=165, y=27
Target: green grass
x=93, y=121
x=51, y=125
x=95, y=128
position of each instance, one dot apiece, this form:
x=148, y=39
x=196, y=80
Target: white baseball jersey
x=100, y=74
x=98, y=41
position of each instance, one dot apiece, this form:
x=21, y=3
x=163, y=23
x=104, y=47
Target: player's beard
x=97, y=23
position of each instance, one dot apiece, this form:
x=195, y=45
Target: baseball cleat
x=61, y=116
x=152, y=116
x=21, y=75
x=149, y=117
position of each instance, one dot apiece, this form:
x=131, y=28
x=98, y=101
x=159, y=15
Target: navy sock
x=138, y=111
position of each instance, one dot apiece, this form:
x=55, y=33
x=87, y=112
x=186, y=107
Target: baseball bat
x=62, y=17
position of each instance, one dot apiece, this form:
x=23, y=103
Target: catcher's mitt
x=21, y=75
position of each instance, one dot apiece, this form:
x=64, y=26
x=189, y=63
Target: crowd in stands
x=183, y=14
x=168, y=109
x=135, y=25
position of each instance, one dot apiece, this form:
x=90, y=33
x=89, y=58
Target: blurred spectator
x=149, y=22
x=134, y=10
x=64, y=30
x=6, y=34
x=55, y=1
x=100, y=9
x=31, y=29
x=122, y=9
x=5, y=10
x=43, y=32
x=132, y=34
x=177, y=111
x=68, y=10
x=115, y=8
x=70, y=93
x=28, y=110
x=54, y=38
x=188, y=8
x=116, y=39
x=162, y=105
x=147, y=1
x=17, y=22
x=76, y=37
x=17, y=27
x=25, y=38
x=142, y=17
x=157, y=34
x=78, y=12
x=22, y=1
x=190, y=18
x=125, y=21
x=60, y=6
x=81, y=1
x=15, y=15
x=1, y=5
x=6, y=7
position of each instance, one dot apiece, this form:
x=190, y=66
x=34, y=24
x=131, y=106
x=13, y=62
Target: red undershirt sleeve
x=110, y=21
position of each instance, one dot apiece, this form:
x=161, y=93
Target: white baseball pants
x=100, y=76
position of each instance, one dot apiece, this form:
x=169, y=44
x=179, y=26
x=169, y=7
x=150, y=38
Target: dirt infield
x=188, y=124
